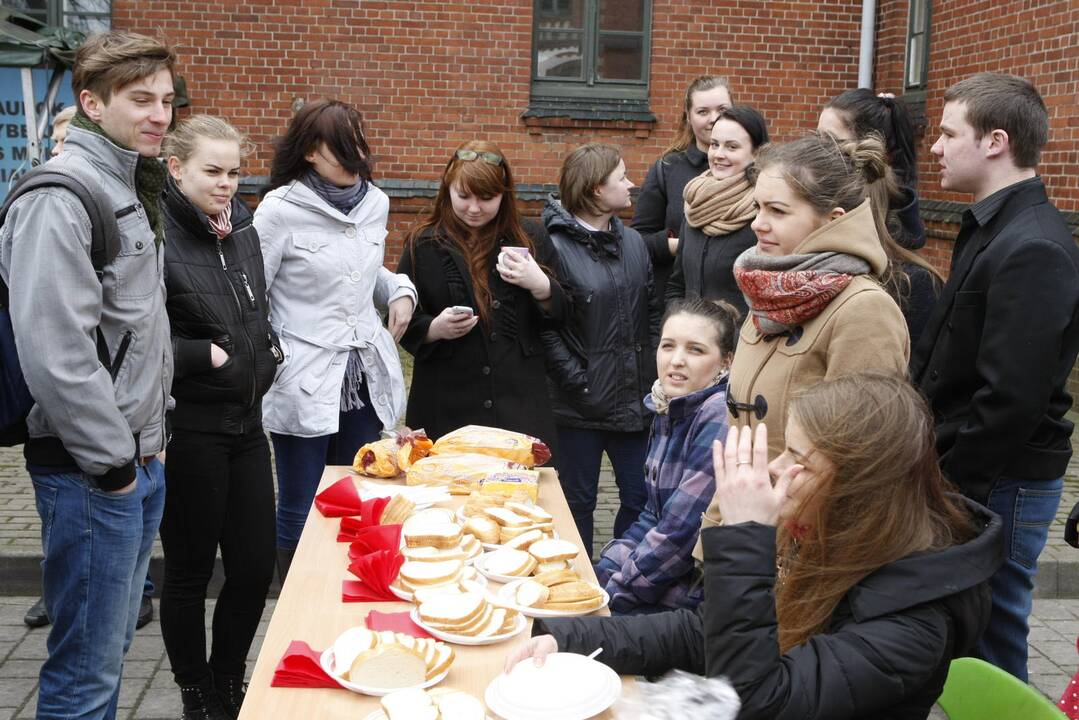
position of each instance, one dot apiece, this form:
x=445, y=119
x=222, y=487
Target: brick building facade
x=429, y=75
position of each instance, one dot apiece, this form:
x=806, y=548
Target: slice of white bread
x=525, y=539
x=484, y=528
x=427, y=553
x=506, y=534
x=419, y=573
x=423, y=594
x=551, y=578
x=507, y=518
x=452, y=610
x=444, y=535
x=553, y=566
x=471, y=546
x=509, y=562
x=430, y=516
x=443, y=659
x=409, y=704
x=531, y=594
x=396, y=511
x=535, y=512
x=351, y=643
x=388, y=666
x=494, y=623
x=473, y=626
x=546, y=551
x=509, y=623
x=576, y=591
x=459, y=706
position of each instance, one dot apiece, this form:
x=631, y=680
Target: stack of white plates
x=568, y=687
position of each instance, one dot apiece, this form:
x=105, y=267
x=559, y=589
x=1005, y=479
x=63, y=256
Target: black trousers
x=218, y=491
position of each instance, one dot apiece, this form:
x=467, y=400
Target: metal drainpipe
x=865, y=49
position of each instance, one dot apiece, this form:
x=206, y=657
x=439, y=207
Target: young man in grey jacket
x=96, y=430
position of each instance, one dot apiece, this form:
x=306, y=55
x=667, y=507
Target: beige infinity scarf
x=719, y=207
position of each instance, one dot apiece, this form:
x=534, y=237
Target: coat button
x=350, y=232
x=933, y=375
x=638, y=347
x=138, y=245
x=493, y=336
x=496, y=304
x=487, y=404
x=355, y=276
x=381, y=399
x=351, y=320
x=486, y=370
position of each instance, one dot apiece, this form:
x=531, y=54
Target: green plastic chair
x=976, y=690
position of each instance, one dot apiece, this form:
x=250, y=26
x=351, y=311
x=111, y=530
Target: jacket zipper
x=121, y=352
x=239, y=306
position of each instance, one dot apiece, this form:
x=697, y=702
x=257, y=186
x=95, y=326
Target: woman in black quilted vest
x=219, y=487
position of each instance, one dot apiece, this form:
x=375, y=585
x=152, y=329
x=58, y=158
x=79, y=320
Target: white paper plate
x=407, y=596
x=326, y=660
x=480, y=564
x=468, y=639
x=379, y=715
x=507, y=595
x=568, y=687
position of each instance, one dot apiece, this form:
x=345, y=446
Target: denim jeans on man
x=1027, y=508
x=97, y=549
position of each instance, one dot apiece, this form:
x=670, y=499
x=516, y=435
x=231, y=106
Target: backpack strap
x=104, y=231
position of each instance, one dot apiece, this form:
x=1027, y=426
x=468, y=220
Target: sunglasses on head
x=759, y=407
x=488, y=157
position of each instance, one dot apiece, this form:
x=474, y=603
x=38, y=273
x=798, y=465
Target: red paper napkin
x=396, y=622
x=375, y=572
x=372, y=539
x=369, y=513
x=299, y=668
x=339, y=499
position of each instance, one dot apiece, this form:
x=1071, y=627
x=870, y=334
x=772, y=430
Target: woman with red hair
x=486, y=290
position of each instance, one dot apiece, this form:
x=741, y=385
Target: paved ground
x=148, y=692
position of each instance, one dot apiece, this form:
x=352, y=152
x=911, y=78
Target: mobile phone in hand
x=462, y=310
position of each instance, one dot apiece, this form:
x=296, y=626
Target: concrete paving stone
x=139, y=669
x=1067, y=628
x=16, y=691
x=164, y=703
x=32, y=647
x=1063, y=653
x=12, y=614
x=1043, y=633
x=1050, y=609
x=1043, y=666
x=147, y=645
x=13, y=633
x=162, y=680
x=22, y=668
x=8, y=713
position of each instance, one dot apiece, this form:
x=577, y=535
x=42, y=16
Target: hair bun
x=869, y=157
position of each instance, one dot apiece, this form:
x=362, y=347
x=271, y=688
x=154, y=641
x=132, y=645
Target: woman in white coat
x=323, y=231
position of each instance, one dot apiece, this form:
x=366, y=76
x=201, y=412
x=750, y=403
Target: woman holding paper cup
x=486, y=289
x=813, y=610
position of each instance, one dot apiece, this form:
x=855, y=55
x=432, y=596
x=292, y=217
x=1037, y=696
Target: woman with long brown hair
x=659, y=214
x=840, y=579
x=486, y=289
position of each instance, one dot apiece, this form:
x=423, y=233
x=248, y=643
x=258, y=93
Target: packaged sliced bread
x=392, y=455
x=462, y=472
x=515, y=446
x=512, y=483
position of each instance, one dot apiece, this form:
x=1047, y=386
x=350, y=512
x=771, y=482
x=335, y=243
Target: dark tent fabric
x=26, y=42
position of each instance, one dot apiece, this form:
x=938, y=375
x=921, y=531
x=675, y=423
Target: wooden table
x=310, y=609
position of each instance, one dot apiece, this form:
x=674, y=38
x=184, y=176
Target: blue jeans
x=577, y=462
x=1027, y=508
x=300, y=462
x=97, y=549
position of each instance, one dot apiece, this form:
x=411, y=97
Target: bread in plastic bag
x=515, y=446
x=393, y=454
x=462, y=472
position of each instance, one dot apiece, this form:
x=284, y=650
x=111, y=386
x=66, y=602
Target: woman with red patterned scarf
x=813, y=281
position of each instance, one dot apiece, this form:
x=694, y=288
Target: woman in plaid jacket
x=649, y=568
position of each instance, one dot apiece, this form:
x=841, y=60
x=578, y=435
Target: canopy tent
x=27, y=43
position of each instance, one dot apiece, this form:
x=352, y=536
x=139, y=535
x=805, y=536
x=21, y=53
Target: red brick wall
x=429, y=75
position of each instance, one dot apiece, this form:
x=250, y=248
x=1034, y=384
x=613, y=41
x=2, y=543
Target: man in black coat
x=995, y=356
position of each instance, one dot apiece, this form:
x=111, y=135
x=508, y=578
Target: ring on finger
x=744, y=462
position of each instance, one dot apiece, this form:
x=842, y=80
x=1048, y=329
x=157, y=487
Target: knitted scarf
x=785, y=292
x=719, y=207
x=342, y=198
x=221, y=223
x=662, y=401
x=150, y=174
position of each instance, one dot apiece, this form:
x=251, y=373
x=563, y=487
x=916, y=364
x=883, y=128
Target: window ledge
x=558, y=112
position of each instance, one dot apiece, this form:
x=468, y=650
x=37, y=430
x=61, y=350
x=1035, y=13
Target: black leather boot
x=230, y=691
x=201, y=702
x=36, y=616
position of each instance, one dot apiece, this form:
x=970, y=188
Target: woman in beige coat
x=813, y=280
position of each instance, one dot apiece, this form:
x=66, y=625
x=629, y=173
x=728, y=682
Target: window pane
x=88, y=24
x=917, y=16
x=619, y=57
x=560, y=14
x=558, y=55
x=86, y=6
x=915, y=60
x=621, y=15
x=34, y=8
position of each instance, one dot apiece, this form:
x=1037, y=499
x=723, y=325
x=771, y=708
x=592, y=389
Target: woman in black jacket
x=855, y=115
x=218, y=483
x=602, y=364
x=486, y=289
x=659, y=215
x=842, y=591
x=719, y=209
